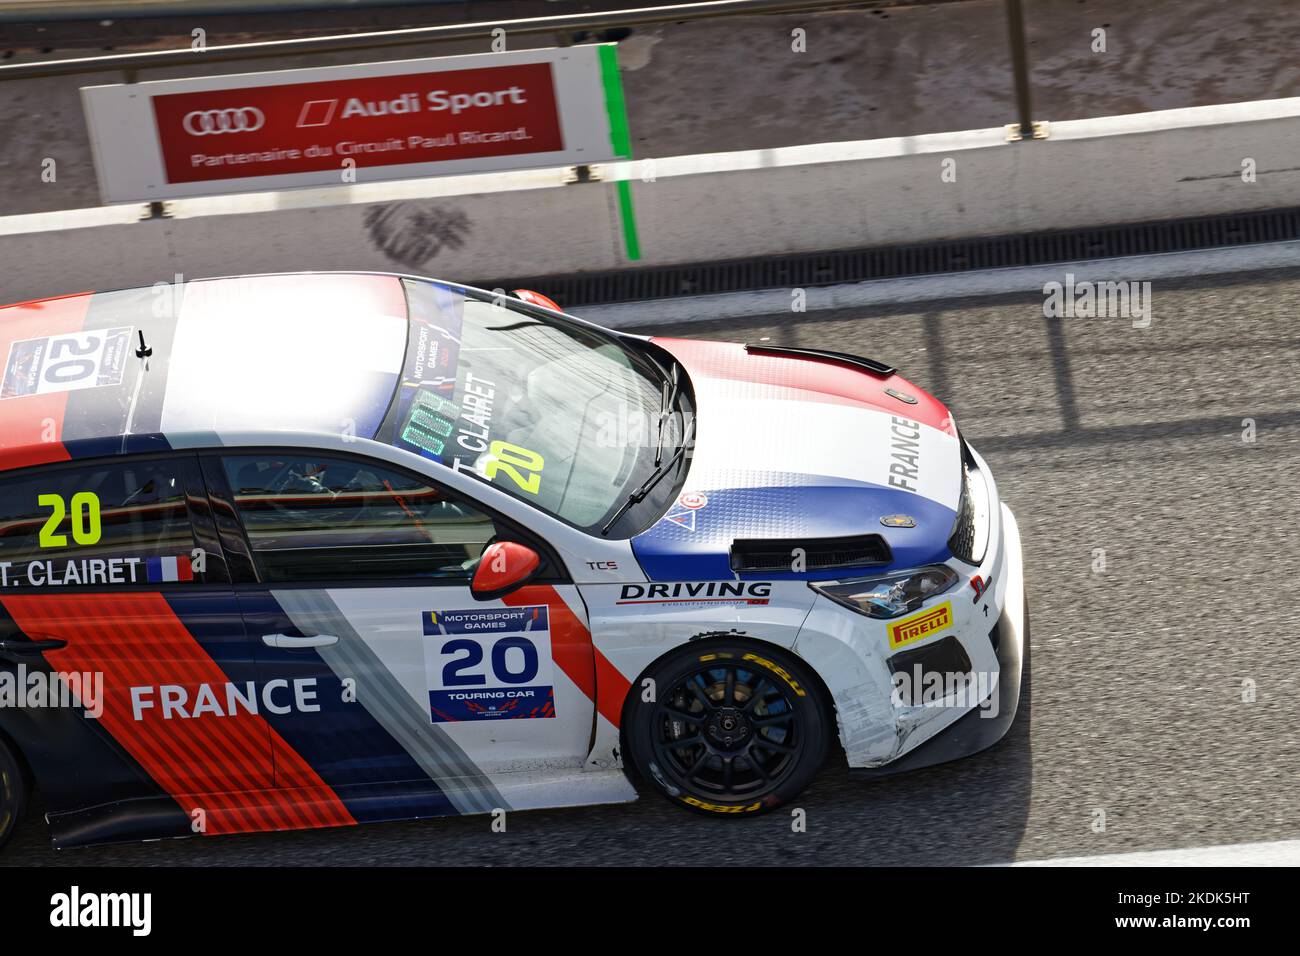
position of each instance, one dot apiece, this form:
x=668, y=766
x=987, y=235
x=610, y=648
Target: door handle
x=291, y=642
x=17, y=651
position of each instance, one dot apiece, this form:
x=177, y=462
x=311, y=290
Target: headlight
x=891, y=595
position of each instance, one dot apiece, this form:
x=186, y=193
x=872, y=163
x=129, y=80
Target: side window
x=104, y=525
x=312, y=518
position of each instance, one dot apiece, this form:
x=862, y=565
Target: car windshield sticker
x=522, y=466
x=66, y=362
x=488, y=664
x=426, y=397
x=429, y=424
x=445, y=410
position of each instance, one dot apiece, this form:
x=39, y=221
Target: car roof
x=299, y=352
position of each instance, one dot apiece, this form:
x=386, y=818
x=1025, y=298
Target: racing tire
x=13, y=792
x=735, y=727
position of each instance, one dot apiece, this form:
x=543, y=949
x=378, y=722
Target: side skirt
x=154, y=818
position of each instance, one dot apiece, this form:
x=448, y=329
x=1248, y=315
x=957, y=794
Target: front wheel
x=734, y=727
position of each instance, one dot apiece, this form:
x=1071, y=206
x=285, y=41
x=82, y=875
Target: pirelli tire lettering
x=721, y=808
x=779, y=670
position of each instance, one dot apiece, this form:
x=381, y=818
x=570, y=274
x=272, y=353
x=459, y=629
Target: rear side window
x=314, y=518
x=103, y=526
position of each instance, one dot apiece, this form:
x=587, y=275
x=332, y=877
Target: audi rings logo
x=244, y=119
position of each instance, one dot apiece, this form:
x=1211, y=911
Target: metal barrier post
x=1020, y=70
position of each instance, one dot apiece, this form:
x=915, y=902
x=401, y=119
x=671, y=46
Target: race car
x=313, y=550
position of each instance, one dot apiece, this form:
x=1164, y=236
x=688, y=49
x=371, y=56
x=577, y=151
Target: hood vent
x=844, y=358
x=819, y=554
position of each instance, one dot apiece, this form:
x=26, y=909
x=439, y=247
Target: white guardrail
x=1110, y=170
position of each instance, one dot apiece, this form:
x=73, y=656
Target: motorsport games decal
x=488, y=664
x=426, y=399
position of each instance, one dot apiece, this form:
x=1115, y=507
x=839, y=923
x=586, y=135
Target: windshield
x=550, y=411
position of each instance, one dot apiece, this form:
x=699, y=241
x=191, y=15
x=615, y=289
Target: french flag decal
x=170, y=569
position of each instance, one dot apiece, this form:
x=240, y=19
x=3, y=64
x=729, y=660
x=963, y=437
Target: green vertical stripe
x=630, y=239
x=621, y=140
x=615, y=105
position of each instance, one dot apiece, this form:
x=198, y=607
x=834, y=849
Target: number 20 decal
x=84, y=510
x=508, y=458
x=78, y=368
x=453, y=673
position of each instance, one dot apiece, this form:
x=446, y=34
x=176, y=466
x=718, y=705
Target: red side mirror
x=536, y=298
x=504, y=566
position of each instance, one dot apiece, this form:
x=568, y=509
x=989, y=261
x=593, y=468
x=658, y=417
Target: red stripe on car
x=809, y=379
x=612, y=689
x=570, y=639
x=573, y=651
x=227, y=766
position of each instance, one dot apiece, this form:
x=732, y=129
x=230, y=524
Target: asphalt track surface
x=1101, y=436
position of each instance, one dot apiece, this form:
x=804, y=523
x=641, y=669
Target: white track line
x=1281, y=853
x=949, y=285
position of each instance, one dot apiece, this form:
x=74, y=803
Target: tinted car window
x=316, y=518
x=108, y=525
x=559, y=415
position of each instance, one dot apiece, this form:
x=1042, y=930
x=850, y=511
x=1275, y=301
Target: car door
x=395, y=682
x=112, y=571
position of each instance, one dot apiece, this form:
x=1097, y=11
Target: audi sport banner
x=341, y=124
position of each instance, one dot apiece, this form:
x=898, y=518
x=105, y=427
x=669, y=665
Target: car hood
x=798, y=448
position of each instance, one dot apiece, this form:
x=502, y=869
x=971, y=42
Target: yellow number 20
x=86, y=525
x=509, y=459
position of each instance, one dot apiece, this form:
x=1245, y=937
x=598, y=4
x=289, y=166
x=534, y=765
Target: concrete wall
x=720, y=206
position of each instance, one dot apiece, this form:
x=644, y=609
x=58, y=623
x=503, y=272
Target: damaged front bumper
x=980, y=728
x=884, y=731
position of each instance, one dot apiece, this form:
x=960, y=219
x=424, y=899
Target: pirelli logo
x=919, y=626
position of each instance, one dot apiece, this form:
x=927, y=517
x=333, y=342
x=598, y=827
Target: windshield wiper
x=655, y=477
x=667, y=401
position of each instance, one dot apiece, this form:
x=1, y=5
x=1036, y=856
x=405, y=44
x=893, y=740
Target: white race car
x=320, y=549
